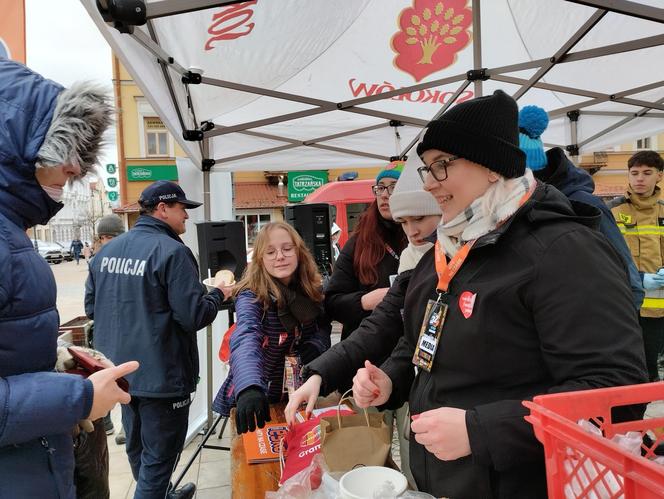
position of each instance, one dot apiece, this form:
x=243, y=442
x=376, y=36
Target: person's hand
x=226, y=290
x=371, y=386
x=442, y=432
x=373, y=298
x=653, y=281
x=252, y=410
x=308, y=393
x=107, y=393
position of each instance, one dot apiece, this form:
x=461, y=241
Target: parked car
x=51, y=252
x=66, y=252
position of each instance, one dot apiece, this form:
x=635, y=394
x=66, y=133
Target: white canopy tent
x=318, y=84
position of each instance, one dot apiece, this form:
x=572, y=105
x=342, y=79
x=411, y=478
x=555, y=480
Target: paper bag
x=357, y=440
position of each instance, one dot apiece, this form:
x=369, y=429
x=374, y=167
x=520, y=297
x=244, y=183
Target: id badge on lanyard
x=292, y=368
x=430, y=333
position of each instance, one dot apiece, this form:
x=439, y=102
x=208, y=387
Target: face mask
x=55, y=193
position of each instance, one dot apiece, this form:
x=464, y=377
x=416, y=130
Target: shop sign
x=305, y=182
x=150, y=173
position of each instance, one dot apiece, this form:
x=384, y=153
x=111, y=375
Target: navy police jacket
x=147, y=301
x=38, y=407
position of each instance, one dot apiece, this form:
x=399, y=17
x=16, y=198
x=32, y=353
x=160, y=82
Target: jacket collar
x=151, y=223
x=643, y=202
x=546, y=204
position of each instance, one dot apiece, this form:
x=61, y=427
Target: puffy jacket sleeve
x=609, y=228
x=247, y=360
x=192, y=307
x=344, y=291
x=39, y=404
x=317, y=341
x=589, y=338
x=376, y=337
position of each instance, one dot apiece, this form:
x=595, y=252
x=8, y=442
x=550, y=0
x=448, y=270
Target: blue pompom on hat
x=533, y=120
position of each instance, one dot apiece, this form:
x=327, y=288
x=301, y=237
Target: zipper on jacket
x=421, y=405
x=51, y=465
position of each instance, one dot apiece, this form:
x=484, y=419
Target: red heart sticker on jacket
x=466, y=303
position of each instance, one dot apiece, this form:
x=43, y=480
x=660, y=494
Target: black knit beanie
x=484, y=130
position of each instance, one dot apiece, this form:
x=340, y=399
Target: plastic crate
x=583, y=465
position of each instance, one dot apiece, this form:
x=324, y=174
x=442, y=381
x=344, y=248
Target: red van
x=350, y=198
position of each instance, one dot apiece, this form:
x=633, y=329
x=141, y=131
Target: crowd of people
x=463, y=290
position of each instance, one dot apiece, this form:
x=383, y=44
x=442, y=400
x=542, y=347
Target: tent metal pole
x=157, y=51
x=638, y=114
x=477, y=46
x=625, y=7
x=208, y=330
x=573, y=119
x=567, y=46
x=622, y=114
x=163, y=8
x=167, y=78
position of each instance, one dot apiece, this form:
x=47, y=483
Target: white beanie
x=409, y=198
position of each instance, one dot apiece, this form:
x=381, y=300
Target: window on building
x=253, y=222
x=156, y=137
x=643, y=143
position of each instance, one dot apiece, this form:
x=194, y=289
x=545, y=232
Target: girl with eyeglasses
x=519, y=296
x=280, y=323
x=361, y=275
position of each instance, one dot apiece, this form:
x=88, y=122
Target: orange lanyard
x=446, y=271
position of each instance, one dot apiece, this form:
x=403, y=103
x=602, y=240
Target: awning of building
x=128, y=208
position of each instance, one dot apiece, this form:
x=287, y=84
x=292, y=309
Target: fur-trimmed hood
x=43, y=124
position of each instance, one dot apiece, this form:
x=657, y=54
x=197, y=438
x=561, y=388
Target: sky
x=64, y=45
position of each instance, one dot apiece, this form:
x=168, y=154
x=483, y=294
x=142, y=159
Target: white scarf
x=495, y=206
x=410, y=256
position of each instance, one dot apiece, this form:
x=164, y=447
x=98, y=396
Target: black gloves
x=251, y=404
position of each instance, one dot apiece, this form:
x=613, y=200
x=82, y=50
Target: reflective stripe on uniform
x=653, y=303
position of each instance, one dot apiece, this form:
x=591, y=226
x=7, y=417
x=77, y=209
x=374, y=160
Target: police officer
x=147, y=301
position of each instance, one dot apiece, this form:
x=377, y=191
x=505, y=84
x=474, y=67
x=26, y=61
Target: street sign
x=113, y=195
x=112, y=181
x=110, y=168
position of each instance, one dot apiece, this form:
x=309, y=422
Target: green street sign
x=112, y=195
x=110, y=168
x=112, y=181
x=302, y=183
x=150, y=173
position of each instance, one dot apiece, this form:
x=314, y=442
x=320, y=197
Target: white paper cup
x=209, y=283
x=361, y=483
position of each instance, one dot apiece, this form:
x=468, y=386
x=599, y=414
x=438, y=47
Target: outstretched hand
x=107, y=393
x=308, y=393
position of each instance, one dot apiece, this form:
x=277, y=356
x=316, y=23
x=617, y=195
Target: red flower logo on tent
x=431, y=34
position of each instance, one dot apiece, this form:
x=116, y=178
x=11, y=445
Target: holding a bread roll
x=224, y=277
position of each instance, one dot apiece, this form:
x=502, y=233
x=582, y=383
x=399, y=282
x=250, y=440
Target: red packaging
x=302, y=443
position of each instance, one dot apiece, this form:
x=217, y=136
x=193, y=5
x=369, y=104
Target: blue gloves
x=653, y=281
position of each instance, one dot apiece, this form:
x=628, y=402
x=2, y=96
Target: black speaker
x=221, y=245
x=312, y=222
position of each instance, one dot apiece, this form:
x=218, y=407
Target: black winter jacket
x=553, y=312
x=344, y=291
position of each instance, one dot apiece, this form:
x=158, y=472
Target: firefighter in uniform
x=640, y=217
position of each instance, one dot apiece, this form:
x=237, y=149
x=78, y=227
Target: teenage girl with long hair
x=280, y=319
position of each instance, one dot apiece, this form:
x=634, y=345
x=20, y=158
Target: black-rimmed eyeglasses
x=380, y=189
x=437, y=169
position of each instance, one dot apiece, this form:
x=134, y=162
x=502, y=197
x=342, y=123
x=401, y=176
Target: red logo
x=311, y=437
x=467, y=303
x=431, y=34
x=282, y=338
x=231, y=23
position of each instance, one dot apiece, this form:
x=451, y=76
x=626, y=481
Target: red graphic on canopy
x=431, y=34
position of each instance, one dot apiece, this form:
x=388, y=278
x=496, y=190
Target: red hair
x=369, y=249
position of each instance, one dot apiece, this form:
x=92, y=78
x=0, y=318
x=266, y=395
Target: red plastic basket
x=583, y=465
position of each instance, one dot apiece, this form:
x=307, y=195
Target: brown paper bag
x=357, y=440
